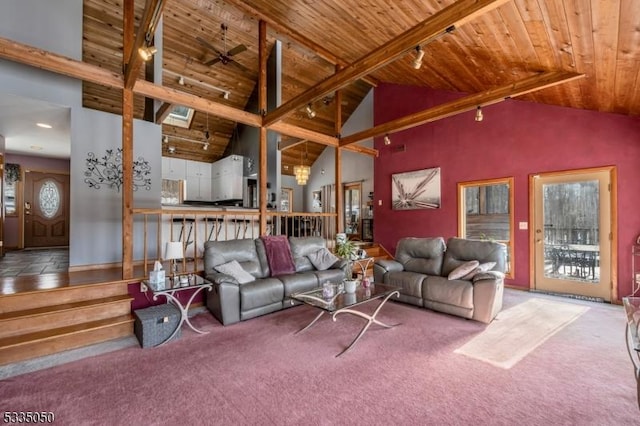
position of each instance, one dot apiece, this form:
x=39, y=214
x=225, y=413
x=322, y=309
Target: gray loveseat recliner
x=422, y=266
x=231, y=302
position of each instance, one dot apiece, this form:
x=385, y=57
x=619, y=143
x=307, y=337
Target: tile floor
x=20, y=263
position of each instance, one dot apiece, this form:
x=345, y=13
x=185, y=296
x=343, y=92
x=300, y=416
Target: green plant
x=347, y=251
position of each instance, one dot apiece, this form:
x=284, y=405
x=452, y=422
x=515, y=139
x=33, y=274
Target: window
x=180, y=116
x=485, y=212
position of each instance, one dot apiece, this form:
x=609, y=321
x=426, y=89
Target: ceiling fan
x=225, y=57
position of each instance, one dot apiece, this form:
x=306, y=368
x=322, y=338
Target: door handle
x=27, y=208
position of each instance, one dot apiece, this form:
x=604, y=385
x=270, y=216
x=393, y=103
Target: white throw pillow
x=322, y=259
x=463, y=270
x=234, y=269
x=483, y=267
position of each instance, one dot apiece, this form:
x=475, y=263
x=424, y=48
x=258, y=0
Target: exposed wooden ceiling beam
x=297, y=37
x=282, y=146
x=467, y=103
x=146, y=30
x=164, y=111
x=59, y=64
x=454, y=15
x=53, y=62
x=361, y=150
x=167, y=94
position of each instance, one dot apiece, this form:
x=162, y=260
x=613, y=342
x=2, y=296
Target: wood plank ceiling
x=599, y=38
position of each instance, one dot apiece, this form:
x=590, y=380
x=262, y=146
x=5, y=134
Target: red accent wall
x=516, y=138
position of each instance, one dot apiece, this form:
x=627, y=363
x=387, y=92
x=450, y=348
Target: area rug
x=519, y=330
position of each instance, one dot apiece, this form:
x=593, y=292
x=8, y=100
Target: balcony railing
x=153, y=228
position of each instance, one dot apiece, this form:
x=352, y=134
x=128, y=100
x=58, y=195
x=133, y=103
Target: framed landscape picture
x=419, y=189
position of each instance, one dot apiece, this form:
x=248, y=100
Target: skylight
x=180, y=116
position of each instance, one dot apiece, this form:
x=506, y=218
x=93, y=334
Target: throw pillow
x=483, y=267
x=234, y=269
x=278, y=254
x=463, y=270
x=322, y=259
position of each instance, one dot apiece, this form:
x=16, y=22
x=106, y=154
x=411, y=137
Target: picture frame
x=419, y=189
x=317, y=200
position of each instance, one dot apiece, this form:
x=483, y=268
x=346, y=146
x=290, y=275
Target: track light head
x=417, y=62
x=387, y=140
x=172, y=149
x=310, y=113
x=479, y=115
x=226, y=95
x=147, y=52
x=165, y=139
x=181, y=81
x=205, y=146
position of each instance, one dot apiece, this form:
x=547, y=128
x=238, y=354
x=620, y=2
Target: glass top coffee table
x=343, y=303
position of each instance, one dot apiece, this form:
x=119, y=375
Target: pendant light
x=302, y=171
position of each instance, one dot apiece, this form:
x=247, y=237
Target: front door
x=572, y=234
x=46, y=209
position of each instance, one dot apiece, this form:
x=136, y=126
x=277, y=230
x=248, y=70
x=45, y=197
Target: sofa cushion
x=449, y=292
x=278, y=254
x=460, y=250
x=295, y=283
x=243, y=251
x=322, y=259
x=464, y=269
x=421, y=255
x=234, y=269
x=260, y=293
x=410, y=283
x=483, y=267
x=301, y=247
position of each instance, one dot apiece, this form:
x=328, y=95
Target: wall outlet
x=523, y=225
x=143, y=287
x=379, y=202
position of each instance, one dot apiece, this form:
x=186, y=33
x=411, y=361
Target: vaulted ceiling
x=598, y=38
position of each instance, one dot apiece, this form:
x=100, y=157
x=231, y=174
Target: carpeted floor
x=259, y=372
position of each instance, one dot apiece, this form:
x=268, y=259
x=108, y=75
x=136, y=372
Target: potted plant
x=347, y=250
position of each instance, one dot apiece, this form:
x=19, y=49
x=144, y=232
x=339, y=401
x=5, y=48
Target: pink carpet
x=259, y=372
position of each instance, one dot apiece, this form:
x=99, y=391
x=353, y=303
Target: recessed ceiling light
x=44, y=125
x=36, y=148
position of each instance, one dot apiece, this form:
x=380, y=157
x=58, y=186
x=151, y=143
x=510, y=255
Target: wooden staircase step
x=56, y=316
x=46, y=342
x=59, y=296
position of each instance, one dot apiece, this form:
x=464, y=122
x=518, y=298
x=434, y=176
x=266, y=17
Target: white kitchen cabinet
x=198, y=169
x=173, y=168
x=198, y=180
x=226, y=179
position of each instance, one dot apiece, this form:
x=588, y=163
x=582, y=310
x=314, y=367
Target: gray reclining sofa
x=422, y=267
x=230, y=302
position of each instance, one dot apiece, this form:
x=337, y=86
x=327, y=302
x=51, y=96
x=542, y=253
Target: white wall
x=355, y=167
x=56, y=26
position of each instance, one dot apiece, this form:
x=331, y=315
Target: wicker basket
x=155, y=324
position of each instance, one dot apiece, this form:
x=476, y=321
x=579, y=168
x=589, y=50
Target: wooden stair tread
x=46, y=310
x=56, y=332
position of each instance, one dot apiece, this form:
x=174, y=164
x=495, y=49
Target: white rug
x=519, y=330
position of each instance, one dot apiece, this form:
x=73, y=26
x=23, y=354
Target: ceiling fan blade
x=238, y=49
x=212, y=61
x=208, y=45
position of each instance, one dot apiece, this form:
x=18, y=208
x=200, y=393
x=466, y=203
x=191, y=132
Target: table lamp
x=172, y=251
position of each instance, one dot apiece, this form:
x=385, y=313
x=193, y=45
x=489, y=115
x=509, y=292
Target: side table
x=169, y=291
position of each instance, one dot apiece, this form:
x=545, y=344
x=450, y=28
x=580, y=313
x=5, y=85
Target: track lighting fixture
x=181, y=81
x=225, y=95
x=479, y=115
x=387, y=140
x=165, y=139
x=172, y=149
x=310, y=113
x=417, y=61
x=205, y=146
x=146, y=52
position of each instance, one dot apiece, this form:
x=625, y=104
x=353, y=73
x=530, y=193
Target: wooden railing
x=153, y=228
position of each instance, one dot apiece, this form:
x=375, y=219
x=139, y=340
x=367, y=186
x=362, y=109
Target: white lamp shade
x=173, y=250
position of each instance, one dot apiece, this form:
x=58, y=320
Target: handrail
x=153, y=227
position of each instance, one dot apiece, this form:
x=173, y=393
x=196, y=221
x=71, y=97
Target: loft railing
x=153, y=228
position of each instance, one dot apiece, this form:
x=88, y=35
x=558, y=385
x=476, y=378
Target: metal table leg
x=370, y=319
x=184, y=309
